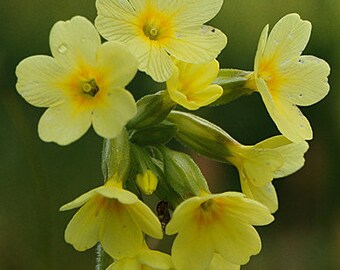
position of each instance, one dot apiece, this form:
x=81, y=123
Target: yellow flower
x=145, y=259
x=153, y=30
x=82, y=84
x=190, y=84
x=113, y=216
x=258, y=165
x=286, y=79
x=216, y=224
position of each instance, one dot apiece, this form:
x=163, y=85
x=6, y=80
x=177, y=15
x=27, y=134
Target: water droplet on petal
x=276, y=42
x=84, y=39
x=290, y=35
x=62, y=48
x=300, y=95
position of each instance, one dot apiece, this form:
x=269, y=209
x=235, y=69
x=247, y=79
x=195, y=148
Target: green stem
x=103, y=260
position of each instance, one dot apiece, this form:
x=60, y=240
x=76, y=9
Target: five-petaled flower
x=154, y=30
x=285, y=79
x=114, y=217
x=190, y=84
x=82, y=84
x=216, y=224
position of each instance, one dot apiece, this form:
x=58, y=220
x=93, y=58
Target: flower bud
x=147, y=182
x=202, y=136
x=151, y=110
x=182, y=174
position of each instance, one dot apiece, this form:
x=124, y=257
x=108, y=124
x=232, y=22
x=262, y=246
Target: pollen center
x=90, y=88
x=151, y=32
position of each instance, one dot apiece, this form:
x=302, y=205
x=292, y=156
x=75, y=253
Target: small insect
x=163, y=213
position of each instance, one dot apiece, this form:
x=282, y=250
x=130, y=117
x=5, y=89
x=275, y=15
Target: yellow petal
x=74, y=42
x=305, y=82
x=193, y=12
x=64, y=123
x=182, y=214
x=83, y=229
x=37, y=81
x=243, y=210
x=123, y=196
x=146, y=219
x=153, y=59
x=218, y=263
x=261, y=47
x=155, y=259
x=110, y=116
x=236, y=241
x=287, y=117
x=287, y=39
x=197, y=44
x=258, y=165
x=80, y=200
x=116, y=64
x=292, y=154
x=265, y=194
x=192, y=249
x=120, y=235
x=125, y=264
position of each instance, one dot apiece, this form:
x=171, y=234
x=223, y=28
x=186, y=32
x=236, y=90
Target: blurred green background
x=36, y=178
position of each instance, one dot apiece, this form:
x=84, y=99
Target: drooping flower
x=114, y=217
x=285, y=79
x=190, y=84
x=145, y=259
x=82, y=84
x=259, y=164
x=153, y=30
x=216, y=224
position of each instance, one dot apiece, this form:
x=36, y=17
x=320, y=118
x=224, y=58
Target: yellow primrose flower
x=216, y=224
x=146, y=259
x=82, y=84
x=190, y=84
x=153, y=30
x=113, y=216
x=258, y=165
x=286, y=79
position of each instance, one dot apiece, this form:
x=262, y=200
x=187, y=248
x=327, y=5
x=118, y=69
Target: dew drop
x=84, y=39
x=62, y=48
x=276, y=42
x=290, y=35
x=300, y=95
x=301, y=61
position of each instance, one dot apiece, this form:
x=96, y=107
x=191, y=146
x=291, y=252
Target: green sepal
x=202, y=136
x=151, y=110
x=182, y=174
x=116, y=157
x=157, y=134
x=233, y=83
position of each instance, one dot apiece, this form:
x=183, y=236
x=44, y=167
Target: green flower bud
x=182, y=174
x=158, y=134
x=151, y=110
x=234, y=84
x=202, y=136
x=147, y=182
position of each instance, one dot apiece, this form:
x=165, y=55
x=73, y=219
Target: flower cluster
x=83, y=84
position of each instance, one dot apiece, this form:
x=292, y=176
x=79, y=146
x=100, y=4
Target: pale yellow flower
x=190, y=84
x=216, y=224
x=145, y=259
x=82, y=84
x=114, y=217
x=285, y=79
x=153, y=30
x=259, y=164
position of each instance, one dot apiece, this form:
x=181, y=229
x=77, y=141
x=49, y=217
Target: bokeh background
x=36, y=178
